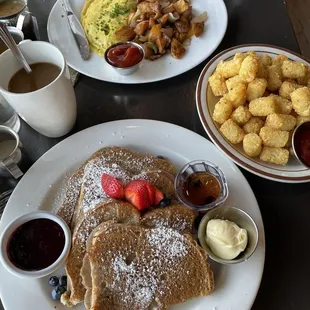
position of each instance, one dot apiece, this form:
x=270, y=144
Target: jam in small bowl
x=124, y=57
x=201, y=185
x=301, y=143
x=35, y=244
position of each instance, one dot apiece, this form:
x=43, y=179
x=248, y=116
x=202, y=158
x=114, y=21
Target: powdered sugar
x=163, y=248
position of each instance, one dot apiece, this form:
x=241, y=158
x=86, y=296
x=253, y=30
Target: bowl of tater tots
x=250, y=98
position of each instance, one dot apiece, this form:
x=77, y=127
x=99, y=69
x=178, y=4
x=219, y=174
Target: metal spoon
x=7, y=38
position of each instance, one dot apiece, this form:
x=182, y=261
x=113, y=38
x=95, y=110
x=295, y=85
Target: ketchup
x=36, y=244
x=124, y=55
x=302, y=143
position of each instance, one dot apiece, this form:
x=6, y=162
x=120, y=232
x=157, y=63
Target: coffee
x=42, y=74
x=10, y=7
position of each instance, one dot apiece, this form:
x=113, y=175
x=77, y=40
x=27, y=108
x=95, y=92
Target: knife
x=77, y=30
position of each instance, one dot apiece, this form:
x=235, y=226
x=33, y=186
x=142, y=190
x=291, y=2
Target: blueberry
x=53, y=281
x=165, y=202
x=57, y=292
x=63, y=281
x=160, y=157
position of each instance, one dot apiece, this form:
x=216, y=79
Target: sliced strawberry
x=112, y=187
x=159, y=196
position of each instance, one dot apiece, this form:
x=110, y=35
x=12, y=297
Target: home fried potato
x=232, y=132
x=253, y=125
x=284, y=105
x=249, y=68
x=287, y=87
x=274, y=78
x=241, y=115
x=273, y=137
x=293, y=69
x=263, y=106
x=301, y=101
x=256, y=89
x=281, y=121
x=274, y=155
x=217, y=84
x=237, y=96
x=222, y=111
x=252, y=144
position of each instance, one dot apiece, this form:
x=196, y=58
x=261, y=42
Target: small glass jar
x=196, y=170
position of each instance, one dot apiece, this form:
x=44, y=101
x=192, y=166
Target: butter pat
x=225, y=238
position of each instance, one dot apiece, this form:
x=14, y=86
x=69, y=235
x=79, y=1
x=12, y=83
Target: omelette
x=101, y=18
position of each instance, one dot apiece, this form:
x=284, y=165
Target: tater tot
x=280, y=121
x=274, y=78
x=301, y=101
x=249, y=68
x=253, y=125
x=228, y=68
x=304, y=80
x=256, y=89
x=262, y=71
x=266, y=60
x=274, y=137
x=263, y=106
x=252, y=144
x=278, y=60
x=233, y=82
x=284, y=105
x=240, y=56
x=287, y=88
x=252, y=53
x=275, y=155
x=217, y=84
x=222, y=111
x=293, y=69
x=232, y=132
x=241, y=115
x=302, y=119
x=237, y=96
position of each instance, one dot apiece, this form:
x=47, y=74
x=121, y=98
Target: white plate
x=294, y=171
x=42, y=188
x=166, y=67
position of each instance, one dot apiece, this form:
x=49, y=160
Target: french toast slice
x=123, y=164
x=117, y=211
x=175, y=216
x=133, y=267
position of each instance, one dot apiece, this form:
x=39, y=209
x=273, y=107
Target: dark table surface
x=285, y=207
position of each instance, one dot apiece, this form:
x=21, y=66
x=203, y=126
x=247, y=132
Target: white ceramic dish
x=150, y=71
x=43, y=185
x=294, y=171
x=5, y=237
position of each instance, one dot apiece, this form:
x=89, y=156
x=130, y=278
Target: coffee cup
x=50, y=110
x=17, y=35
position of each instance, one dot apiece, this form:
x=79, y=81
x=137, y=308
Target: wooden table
x=285, y=207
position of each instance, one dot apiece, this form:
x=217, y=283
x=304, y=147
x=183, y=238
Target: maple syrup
x=201, y=188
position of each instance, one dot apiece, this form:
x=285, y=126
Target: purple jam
x=36, y=244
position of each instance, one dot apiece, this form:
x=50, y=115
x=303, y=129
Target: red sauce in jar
x=302, y=143
x=124, y=55
x=36, y=244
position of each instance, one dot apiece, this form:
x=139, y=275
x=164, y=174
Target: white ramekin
x=18, y=222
